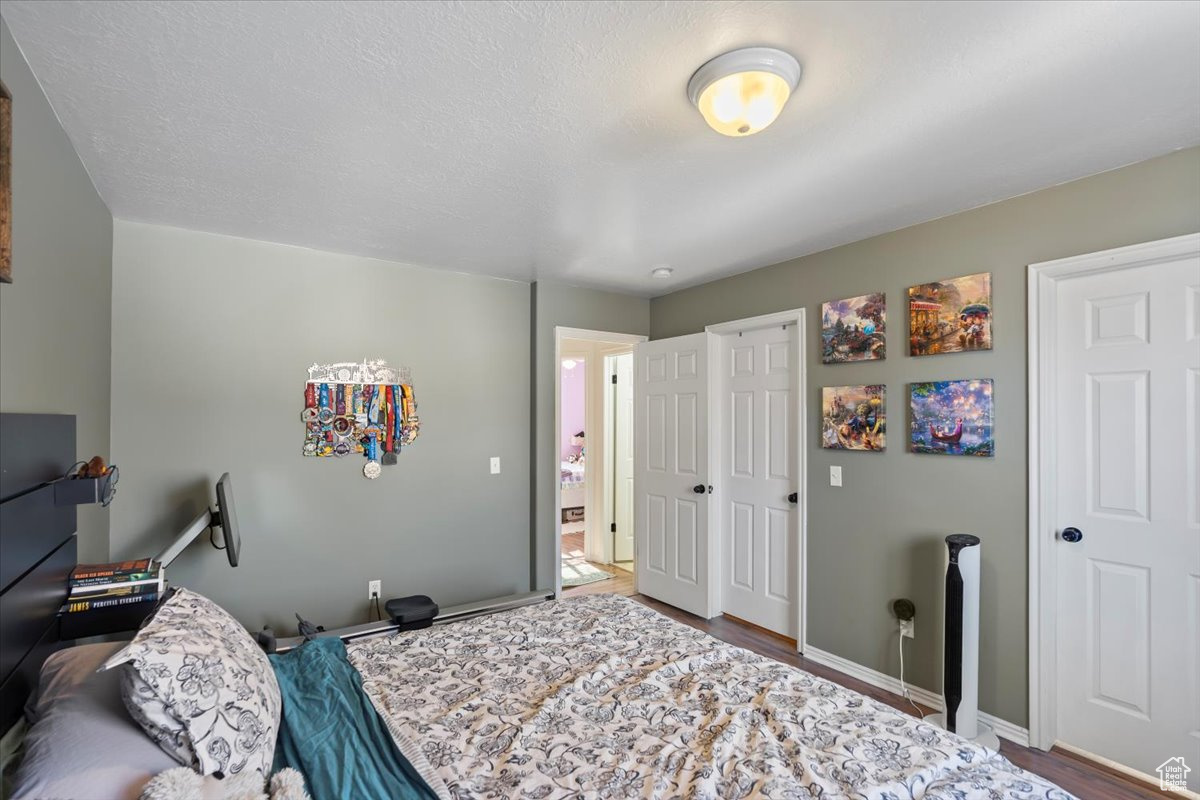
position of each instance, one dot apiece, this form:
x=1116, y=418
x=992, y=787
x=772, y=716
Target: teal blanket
x=331, y=733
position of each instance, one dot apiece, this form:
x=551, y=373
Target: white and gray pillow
x=201, y=687
x=83, y=745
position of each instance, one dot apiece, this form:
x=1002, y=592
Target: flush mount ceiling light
x=661, y=272
x=743, y=91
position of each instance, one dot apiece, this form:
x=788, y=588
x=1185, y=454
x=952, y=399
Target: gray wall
x=55, y=317
x=879, y=537
x=558, y=305
x=212, y=337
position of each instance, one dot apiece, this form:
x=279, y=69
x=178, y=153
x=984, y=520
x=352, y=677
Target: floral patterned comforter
x=602, y=697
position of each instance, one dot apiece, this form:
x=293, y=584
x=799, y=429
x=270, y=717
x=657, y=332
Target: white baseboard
x=1003, y=728
x=1142, y=777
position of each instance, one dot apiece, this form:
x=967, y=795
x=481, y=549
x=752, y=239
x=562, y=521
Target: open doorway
x=594, y=424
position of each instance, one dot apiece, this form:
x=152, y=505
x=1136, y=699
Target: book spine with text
x=107, y=602
x=104, y=582
x=108, y=570
x=116, y=591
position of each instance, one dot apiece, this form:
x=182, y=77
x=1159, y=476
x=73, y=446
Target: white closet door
x=760, y=522
x=671, y=471
x=1129, y=589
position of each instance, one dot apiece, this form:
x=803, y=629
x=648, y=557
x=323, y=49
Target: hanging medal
x=398, y=422
x=389, y=428
x=373, y=408
x=309, y=414
x=372, y=469
x=325, y=413
x=412, y=424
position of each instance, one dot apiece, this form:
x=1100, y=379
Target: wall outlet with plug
x=374, y=589
x=906, y=612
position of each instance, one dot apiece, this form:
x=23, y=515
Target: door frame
x=1044, y=278
x=717, y=530
x=560, y=333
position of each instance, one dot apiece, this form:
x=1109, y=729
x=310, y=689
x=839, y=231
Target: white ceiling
x=554, y=139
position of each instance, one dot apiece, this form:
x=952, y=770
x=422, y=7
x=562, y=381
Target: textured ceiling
x=554, y=140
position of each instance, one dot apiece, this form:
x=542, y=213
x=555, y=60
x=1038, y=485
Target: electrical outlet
x=908, y=628
x=374, y=589
x=835, y=476
x=495, y=465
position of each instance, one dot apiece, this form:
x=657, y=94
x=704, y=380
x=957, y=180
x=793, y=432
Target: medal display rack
x=362, y=408
x=375, y=372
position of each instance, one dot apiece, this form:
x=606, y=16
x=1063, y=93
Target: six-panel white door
x=671, y=472
x=623, y=458
x=759, y=518
x=1128, y=604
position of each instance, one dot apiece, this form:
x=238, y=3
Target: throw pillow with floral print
x=201, y=687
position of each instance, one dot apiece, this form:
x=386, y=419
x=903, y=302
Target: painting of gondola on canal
x=952, y=418
x=853, y=329
x=950, y=316
x=854, y=417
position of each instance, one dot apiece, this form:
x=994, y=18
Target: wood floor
x=620, y=583
x=1084, y=779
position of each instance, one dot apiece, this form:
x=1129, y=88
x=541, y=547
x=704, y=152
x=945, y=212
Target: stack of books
x=95, y=586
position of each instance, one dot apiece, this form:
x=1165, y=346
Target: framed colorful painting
x=952, y=418
x=854, y=417
x=853, y=329
x=950, y=316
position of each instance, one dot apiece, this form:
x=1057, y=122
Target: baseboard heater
x=479, y=608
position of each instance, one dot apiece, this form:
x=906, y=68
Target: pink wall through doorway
x=573, y=388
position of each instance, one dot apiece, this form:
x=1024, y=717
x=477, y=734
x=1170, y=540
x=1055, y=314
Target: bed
x=600, y=696
x=571, y=474
x=595, y=696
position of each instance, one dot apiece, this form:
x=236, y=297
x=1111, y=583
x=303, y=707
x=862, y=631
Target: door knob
x=793, y=497
x=1072, y=535
x=698, y=488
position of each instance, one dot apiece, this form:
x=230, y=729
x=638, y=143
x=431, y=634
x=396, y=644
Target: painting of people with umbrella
x=950, y=316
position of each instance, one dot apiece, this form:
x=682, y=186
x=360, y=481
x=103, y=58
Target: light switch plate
x=835, y=476
x=495, y=465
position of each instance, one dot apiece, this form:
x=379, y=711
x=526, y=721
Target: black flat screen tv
x=226, y=517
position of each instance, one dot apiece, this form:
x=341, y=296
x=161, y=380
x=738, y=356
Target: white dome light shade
x=743, y=91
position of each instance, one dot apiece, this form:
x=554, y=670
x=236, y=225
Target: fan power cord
x=903, y=687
